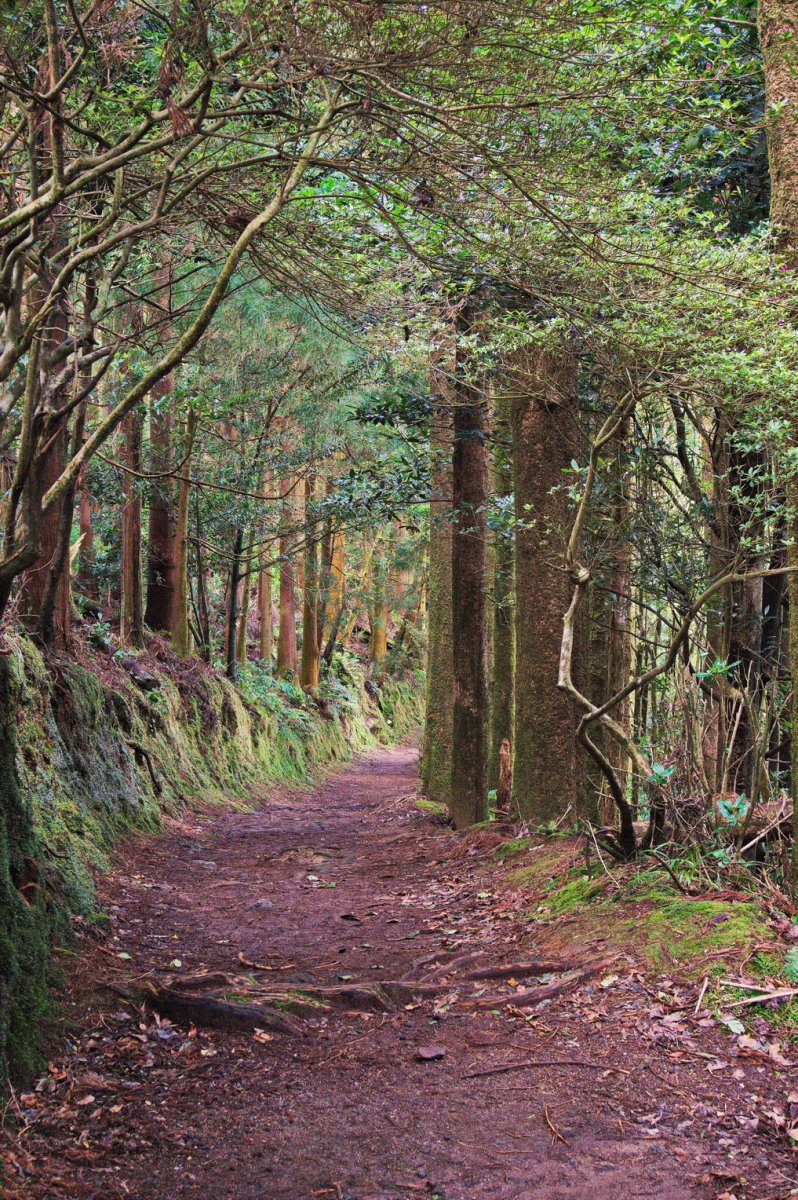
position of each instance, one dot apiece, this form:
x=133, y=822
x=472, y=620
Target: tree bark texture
x=162, y=528
x=131, y=617
x=778, y=39
x=287, y=659
x=502, y=681
x=436, y=759
x=470, y=467
x=543, y=394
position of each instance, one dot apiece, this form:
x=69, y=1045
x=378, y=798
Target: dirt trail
x=351, y=881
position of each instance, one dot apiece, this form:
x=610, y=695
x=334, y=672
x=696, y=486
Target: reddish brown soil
x=136, y=1107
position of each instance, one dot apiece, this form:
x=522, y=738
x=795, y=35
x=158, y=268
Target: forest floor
x=631, y=1094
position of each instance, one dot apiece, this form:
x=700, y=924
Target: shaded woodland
x=448, y=343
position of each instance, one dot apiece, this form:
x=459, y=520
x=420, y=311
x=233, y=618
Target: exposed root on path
x=243, y=1004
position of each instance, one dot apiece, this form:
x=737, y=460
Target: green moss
x=684, y=930
x=432, y=806
x=512, y=848
x=399, y=709
x=635, y=910
x=574, y=893
x=25, y=917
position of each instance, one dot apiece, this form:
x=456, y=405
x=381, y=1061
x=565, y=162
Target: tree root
x=212, y=1013
x=143, y=755
x=548, y=991
x=183, y=998
x=522, y=969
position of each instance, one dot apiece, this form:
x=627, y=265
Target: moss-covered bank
x=86, y=755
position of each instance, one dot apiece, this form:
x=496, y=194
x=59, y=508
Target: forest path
x=351, y=880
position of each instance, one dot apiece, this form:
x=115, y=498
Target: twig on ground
x=554, y=1129
x=781, y=994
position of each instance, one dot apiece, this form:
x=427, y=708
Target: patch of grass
x=432, y=806
x=512, y=848
x=772, y=968
x=574, y=893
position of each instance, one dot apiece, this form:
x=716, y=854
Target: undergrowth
x=636, y=907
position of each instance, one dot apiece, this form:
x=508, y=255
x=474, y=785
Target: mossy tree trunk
x=503, y=664
x=436, y=759
x=470, y=466
x=543, y=395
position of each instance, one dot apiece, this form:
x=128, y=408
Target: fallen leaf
x=430, y=1053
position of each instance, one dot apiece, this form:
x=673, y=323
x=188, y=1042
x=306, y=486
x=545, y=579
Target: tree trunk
x=56, y=605
x=265, y=611
x=543, y=399
x=46, y=585
x=181, y=634
x=379, y=610
x=311, y=653
x=232, y=607
x=470, y=464
x=334, y=588
x=618, y=582
x=778, y=38
x=502, y=683
x=87, y=581
x=287, y=662
x=436, y=759
x=359, y=591
x=162, y=533
x=243, y=618
x=131, y=616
